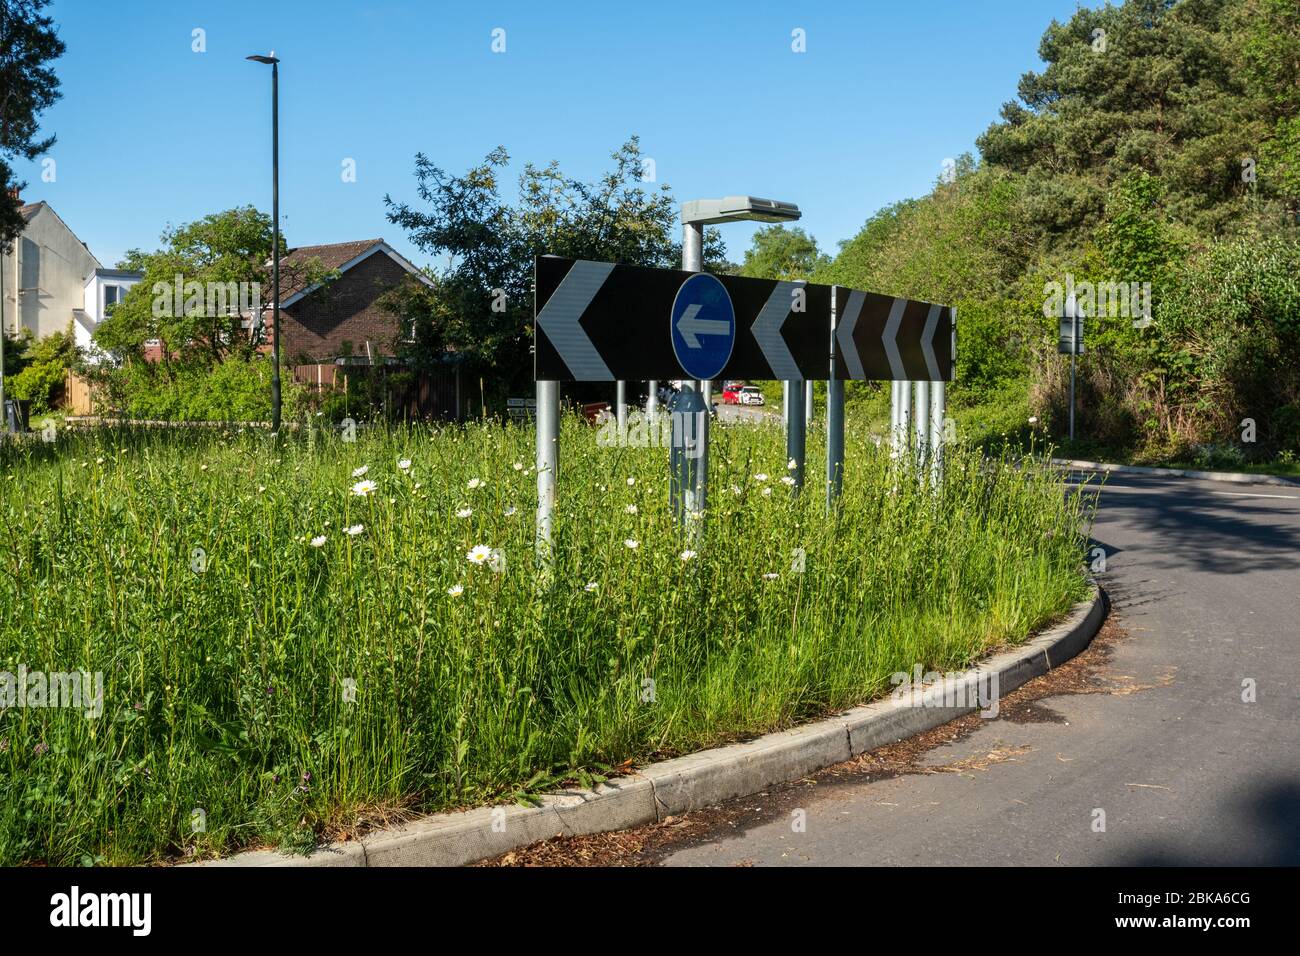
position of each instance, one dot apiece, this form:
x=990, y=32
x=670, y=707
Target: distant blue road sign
x=703, y=326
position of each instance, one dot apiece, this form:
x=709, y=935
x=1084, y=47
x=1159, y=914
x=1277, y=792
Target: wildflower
x=404, y=464
x=519, y=466
x=261, y=488
x=688, y=555
x=631, y=482
x=464, y=512
x=318, y=541
x=1033, y=419
x=761, y=476
x=767, y=492
x=479, y=554
x=360, y=472
x=770, y=576
x=474, y=483
x=203, y=467
x=99, y=461
x=509, y=511
x=785, y=480
x=365, y=488
x=630, y=543
x=591, y=586
x=455, y=590
x=353, y=530
x=630, y=509
x=791, y=465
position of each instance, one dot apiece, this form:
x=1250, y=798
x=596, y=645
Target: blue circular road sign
x=703, y=326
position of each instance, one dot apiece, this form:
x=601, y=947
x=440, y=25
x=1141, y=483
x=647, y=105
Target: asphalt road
x=1205, y=582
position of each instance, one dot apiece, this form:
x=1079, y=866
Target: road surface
x=1149, y=727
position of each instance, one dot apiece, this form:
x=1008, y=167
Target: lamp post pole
x=275, y=236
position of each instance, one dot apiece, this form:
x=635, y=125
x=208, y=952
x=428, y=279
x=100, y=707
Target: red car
x=731, y=393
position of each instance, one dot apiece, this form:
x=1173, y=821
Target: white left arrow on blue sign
x=692, y=327
x=560, y=320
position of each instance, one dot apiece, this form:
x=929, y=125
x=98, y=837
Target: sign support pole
x=652, y=403
x=620, y=407
x=834, y=419
x=691, y=492
x=922, y=428
x=548, y=463
x=808, y=403
x=937, y=414
x=1074, y=350
x=796, y=434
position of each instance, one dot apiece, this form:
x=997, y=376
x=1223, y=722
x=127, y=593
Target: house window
x=112, y=295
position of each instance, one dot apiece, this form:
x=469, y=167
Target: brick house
x=341, y=316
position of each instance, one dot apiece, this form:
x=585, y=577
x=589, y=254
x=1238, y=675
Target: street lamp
x=691, y=459
x=275, y=235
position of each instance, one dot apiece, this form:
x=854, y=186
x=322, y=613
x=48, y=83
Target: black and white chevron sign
x=597, y=321
x=891, y=339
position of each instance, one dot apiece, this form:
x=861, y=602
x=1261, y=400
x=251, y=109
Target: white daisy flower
x=404, y=464
x=519, y=466
x=792, y=464
x=630, y=543
x=359, y=472
x=688, y=555
x=354, y=530
x=631, y=482
x=592, y=586
x=318, y=541
x=474, y=483
x=479, y=554
x=761, y=476
x=767, y=492
x=464, y=512
x=770, y=576
x=365, y=488
x=786, y=480
x=630, y=509
x=509, y=512
x=455, y=590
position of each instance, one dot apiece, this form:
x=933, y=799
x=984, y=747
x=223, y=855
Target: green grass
x=224, y=689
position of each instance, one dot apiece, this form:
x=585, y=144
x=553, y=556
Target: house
x=104, y=288
x=50, y=279
x=340, y=316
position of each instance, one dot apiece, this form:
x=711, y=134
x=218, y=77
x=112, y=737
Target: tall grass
x=228, y=675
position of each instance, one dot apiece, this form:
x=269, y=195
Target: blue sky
x=152, y=133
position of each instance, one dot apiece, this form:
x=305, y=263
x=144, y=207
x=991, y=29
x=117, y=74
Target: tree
x=28, y=86
x=778, y=252
x=219, y=262
x=480, y=305
x=1148, y=86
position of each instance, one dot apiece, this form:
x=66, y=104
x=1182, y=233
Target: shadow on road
x=1202, y=531
x=1271, y=813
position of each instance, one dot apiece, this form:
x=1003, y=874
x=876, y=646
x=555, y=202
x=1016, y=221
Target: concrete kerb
x=701, y=779
x=1230, y=477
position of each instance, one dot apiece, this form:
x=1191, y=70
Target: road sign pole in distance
x=922, y=428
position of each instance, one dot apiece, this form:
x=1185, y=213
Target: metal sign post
x=548, y=464
x=796, y=434
x=834, y=410
x=1070, y=341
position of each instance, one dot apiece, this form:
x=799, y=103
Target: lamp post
x=690, y=452
x=275, y=235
